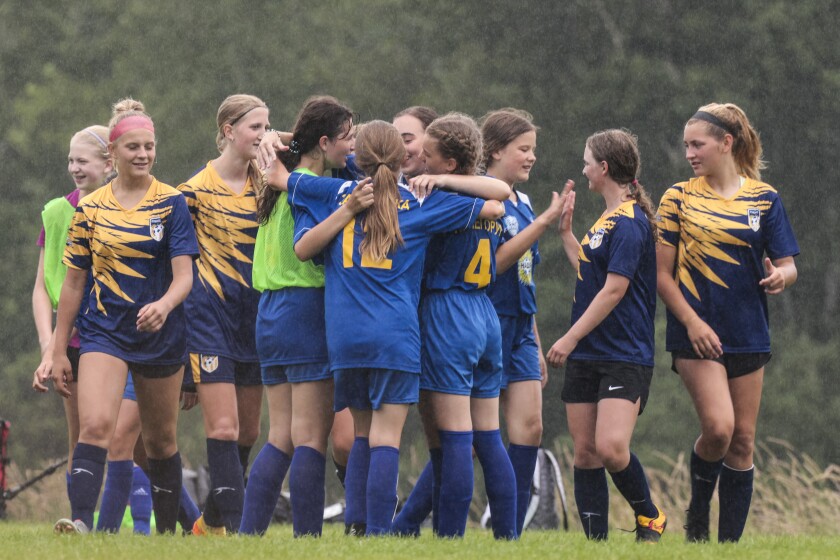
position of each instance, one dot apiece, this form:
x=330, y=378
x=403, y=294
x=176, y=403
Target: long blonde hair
x=746, y=145
x=379, y=153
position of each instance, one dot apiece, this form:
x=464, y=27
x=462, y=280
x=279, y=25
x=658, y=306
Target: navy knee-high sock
x=355, y=494
x=86, y=475
x=524, y=461
x=140, y=502
x=499, y=482
x=704, y=477
x=188, y=512
x=633, y=485
x=226, y=485
x=306, y=483
x=382, y=489
x=456, y=487
x=593, y=501
x=418, y=506
x=735, y=491
x=115, y=495
x=263, y=491
x=165, y=478
x=437, y=464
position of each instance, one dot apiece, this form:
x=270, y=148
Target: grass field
x=35, y=541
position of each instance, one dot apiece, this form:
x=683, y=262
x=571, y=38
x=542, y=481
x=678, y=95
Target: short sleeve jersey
x=720, y=247
x=129, y=252
x=514, y=292
x=464, y=259
x=620, y=243
x=371, y=306
x=222, y=306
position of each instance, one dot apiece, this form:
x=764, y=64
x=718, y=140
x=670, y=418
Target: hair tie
x=294, y=147
x=712, y=119
x=98, y=138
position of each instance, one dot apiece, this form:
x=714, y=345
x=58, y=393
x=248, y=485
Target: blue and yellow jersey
x=720, y=246
x=465, y=259
x=371, y=306
x=129, y=252
x=620, y=242
x=222, y=306
x=514, y=292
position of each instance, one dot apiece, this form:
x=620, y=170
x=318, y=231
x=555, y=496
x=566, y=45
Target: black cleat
x=696, y=526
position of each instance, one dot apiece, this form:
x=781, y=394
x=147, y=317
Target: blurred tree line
x=578, y=66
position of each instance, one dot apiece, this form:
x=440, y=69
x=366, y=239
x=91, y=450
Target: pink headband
x=131, y=123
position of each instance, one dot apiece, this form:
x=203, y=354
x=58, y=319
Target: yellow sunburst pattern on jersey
x=605, y=223
x=105, y=232
x=703, y=222
x=224, y=222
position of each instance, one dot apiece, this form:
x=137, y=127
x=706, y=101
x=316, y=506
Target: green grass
x=34, y=541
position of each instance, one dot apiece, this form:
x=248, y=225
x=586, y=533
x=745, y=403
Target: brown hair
x=379, y=153
x=320, y=116
x=423, y=114
x=746, y=144
x=232, y=109
x=501, y=127
x=457, y=138
x=619, y=149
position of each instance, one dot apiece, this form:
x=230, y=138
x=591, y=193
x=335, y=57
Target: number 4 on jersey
x=478, y=271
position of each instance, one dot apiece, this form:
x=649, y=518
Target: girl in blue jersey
x=135, y=237
x=725, y=238
x=411, y=123
x=608, y=351
x=291, y=338
x=373, y=269
x=461, y=351
x=222, y=306
x=510, y=140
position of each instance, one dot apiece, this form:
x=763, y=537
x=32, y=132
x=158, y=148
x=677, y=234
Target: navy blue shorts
x=461, y=344
x=295, y=373
x=206, y=368
x=369, y=388
x=290, y=327
x=590, y=381
x=736, y=365
x=520, y=353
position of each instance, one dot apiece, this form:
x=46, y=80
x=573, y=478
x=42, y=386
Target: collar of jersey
x=304, y=171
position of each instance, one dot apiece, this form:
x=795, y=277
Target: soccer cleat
x=696, y=526
x=201, y=529
x=355, y=529
x=650, y=529
x=70, y=527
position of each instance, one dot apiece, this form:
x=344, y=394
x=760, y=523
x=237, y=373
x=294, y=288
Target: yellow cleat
x=650, y=530
x=201, y=529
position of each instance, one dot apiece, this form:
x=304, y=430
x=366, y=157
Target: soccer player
x=135, y=237
x=461, y=348
x=222, y=306
x=373, y=269
x=509, y=143
x=411, y=123
x=608, y=351
x=291, y=336
x=725, y=238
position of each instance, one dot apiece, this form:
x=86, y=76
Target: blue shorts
x=295, y=373
x=461, y=344
x=291, y=328
x=206, y=368
x=129, y=394
x=369, y=389
x=520, y=354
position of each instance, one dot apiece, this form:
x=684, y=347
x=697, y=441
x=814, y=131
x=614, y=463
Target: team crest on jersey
x=526, y=268
x=209, y=363
x=511, y=225
x=754, y=215
x=156, y=228
x=596, y=240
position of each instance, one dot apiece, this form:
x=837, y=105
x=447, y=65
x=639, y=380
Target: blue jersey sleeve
x=315, y=194
x=182, y=239
x=668, y=217
x=627, y=245
x=304, y=221
x=447, y=212
x=77, y=251
x=779, y=238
